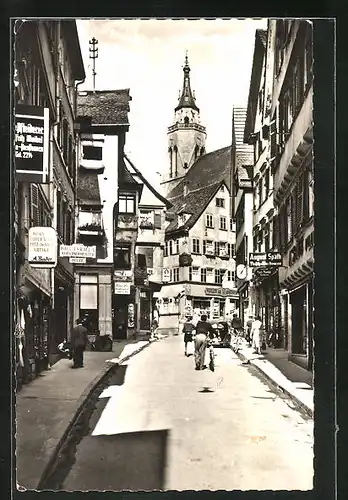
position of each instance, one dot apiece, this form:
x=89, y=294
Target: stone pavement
x=294, y=380
x=47, y=406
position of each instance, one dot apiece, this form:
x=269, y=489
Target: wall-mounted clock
x=241, y=271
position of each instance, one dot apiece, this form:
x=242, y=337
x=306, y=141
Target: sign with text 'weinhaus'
x=31, y=146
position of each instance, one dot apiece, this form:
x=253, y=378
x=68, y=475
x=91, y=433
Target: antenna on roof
x=93, y=54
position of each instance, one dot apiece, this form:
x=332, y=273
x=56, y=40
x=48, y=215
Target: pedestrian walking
x=248, y=329
x=257, y=335
x=188, y=330
x=204, y=330
x=79, y=341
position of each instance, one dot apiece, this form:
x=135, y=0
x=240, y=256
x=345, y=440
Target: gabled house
x=199, y=271
x=103, y=119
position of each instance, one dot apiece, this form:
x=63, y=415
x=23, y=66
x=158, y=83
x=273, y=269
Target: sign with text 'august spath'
x=261, y=259
x=31, y=140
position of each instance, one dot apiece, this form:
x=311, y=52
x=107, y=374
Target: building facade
x=47, y=69
x=102, y=136
x=242, y=159
x=292, y=162
x=279, y=125
x=265, y=280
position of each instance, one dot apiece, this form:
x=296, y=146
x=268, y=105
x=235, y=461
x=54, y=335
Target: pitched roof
x=147, y=183
x=255, y=80
x=88, y=187
x=194, y=192
x=105, y=107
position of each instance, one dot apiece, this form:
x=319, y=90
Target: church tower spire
x=186, y=136
x=187, y=99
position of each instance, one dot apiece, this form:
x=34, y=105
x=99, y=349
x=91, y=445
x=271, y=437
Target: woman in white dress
x=256, y=333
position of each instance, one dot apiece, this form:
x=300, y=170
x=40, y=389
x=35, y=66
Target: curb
x=81, y=403
x=293, y=398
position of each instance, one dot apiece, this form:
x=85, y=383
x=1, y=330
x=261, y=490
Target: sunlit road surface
x=162, y=425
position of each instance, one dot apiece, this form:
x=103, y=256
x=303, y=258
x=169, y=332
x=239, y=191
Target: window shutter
x=157, y=221
x=204, y=246
x=34, y=206
x=216, y=244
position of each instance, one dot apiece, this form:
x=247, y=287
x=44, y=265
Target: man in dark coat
x=79, y=341
x=204, y=330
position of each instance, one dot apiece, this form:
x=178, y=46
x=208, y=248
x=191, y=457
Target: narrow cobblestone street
x=162, y=425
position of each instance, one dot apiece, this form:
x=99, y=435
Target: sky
x=147, y=56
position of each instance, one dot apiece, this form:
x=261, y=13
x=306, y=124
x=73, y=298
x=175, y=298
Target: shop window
x=196, y=246
x=209, y=221
x=126, y=203
x=220, y=202
x=89, y=301
x=122, y=256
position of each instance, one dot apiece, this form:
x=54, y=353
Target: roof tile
x=105, y=107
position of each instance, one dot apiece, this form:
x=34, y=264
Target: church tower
x=186, y=137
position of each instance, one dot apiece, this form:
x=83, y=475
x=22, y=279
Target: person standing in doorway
x=79, y=341
x=203, y=331
x=187, y=330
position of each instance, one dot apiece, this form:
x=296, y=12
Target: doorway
x=120, y=317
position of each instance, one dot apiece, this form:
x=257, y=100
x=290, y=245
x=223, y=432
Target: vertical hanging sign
x=31, y=138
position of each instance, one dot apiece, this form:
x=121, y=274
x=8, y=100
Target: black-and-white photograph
x=164, y=254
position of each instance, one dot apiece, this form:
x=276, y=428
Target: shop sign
x=245, y=183
x=226, y=292
x=166, y=275
x=263, y=259
x=77, y=250
x=42, y=247
x=122, y=288
x=123, y=275
x=31, y=143
x=263, y=272
x=77, y=260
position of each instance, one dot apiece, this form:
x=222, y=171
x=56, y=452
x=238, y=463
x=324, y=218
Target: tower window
x=186, y=120
x=185, y=164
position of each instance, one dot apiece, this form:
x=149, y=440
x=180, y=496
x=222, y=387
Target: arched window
x=202, y=151
x=196, y=151
x=175, y=162
x=186, y=121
